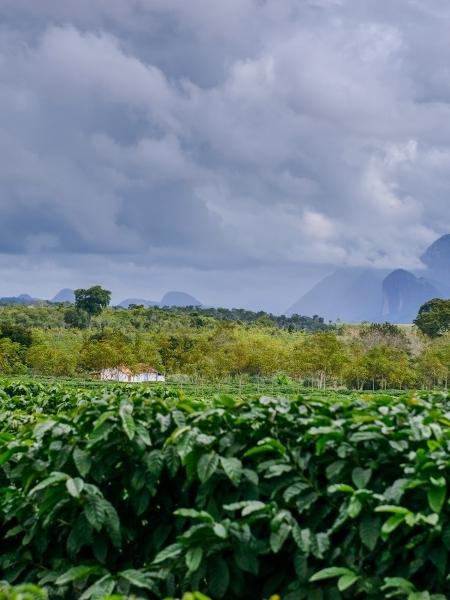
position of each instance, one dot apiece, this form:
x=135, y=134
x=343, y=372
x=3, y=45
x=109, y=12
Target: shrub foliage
x=144, y=491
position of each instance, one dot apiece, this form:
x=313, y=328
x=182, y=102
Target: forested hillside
x=216, y=344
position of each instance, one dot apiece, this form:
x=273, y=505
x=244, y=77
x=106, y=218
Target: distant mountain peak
x=64, y=295
x=357, y=294
x=174, y=298
x=138, y=302
x=437, y=256
x=403, y=294
x=24, y=299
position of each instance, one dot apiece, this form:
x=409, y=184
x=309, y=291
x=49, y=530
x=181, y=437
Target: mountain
x=64, y=295
x=356, y=294
x=404, y=294
x=179, y=299
x=169, y=299
x=23, y=299
x=437, y=256
x=351, y=295
x=437, y=260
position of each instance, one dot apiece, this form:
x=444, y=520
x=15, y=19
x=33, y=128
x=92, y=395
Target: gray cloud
x=240, y=137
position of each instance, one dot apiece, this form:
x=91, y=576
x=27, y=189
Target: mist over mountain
x=354, y=294
x=437, y=257
x=404, y=294
x=350, y=295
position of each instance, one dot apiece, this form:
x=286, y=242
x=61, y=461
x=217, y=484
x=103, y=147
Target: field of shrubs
x=116, y=491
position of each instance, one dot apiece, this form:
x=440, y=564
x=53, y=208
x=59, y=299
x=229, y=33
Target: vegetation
x=145, y=491
x=434, y=317
x=218, y=344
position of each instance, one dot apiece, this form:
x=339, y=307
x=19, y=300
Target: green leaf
x=143, y=434
x=303, y=539
x=83, y=461
x=346, y=581
x=436, y=497
x=194, y=558
x=75, y=486
x=139, y=579
x=391, y=524
x=361, y=477
x=42, y=428
x=155, y=462
x=207, y=466
x=331, y=572
x=101, y=588
x=80, y=535
x=398, y=583
x=266, y=445
x=391, y=508
x=220, y=531
x=294, y=490
x=301, y=566
x=279, y=536
x=168, y=553
x=232, y=468
x=112, y=524
x=171, y=460
x=369, y=531
x=94, y=511
x=54, y=478
x=77, y=573
x=247, y=506
x=128, y=423
x=191, y=513
x=218, y=577
x=252, y=506
x=340, y=487
x=354, y=507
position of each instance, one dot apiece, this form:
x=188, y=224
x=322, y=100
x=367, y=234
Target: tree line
x=213, y=344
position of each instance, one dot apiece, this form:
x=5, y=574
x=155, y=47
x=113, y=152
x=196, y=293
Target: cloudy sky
x=235, y=150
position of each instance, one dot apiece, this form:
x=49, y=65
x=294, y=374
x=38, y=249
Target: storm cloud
x=222, y=146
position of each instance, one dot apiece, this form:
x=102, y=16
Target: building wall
x=119, y=375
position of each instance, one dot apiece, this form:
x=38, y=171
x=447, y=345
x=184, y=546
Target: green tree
x=388, y=367
x=430, y=368
x=76, y=317
x=321, y=356
x=54, y=353
x=11, y=357
x=16, y=333
x=92, y=300
x=355, y=372
x=434, y=317
x=106, y=350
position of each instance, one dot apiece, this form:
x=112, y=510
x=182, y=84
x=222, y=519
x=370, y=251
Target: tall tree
x=92, y=300
x=434, y=317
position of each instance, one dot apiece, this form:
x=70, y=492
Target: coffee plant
x=145, y=492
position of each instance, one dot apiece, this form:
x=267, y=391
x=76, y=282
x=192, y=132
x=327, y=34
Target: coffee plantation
x=117, y=491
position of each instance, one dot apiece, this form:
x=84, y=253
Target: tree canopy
x=434, y=317
x=92, y=300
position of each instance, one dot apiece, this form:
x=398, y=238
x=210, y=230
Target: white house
x=126, y=375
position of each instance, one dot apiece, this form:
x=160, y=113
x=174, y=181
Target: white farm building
x=126, y=375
